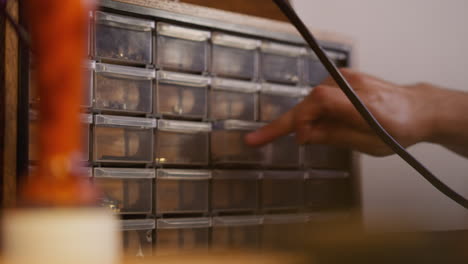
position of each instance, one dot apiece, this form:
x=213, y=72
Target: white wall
x=406, y=41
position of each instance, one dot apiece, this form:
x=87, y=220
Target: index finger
x=279, y=127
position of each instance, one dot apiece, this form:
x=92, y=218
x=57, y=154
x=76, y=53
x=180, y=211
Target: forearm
x=449, y=122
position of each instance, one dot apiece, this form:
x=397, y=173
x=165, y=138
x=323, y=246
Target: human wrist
x=442, y=110
x=428, y=117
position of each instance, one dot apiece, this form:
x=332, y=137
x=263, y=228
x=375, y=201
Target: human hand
x=326, y=116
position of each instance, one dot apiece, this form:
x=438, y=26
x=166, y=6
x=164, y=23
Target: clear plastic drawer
x=123, y=89
x=234, y=57
x=120, y=139
x=33, y=140
x=236, y=232
x=280, y=63
x=137, y=237
x=280, y=231
x=182, y=191
x=183, y=234
x=125, y=191
x=282, y=190
x=182, y=49
x=182, y=143
x=326, y=157
x=123, y=39
x=276, y=100
x=283, y=152
x=181, y=95
x=328, y=190
x=228, y=147
x=235, y=191
x=231, y=99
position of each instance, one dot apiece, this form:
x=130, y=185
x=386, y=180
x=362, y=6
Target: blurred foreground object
x=58, y=34
x=58, y=221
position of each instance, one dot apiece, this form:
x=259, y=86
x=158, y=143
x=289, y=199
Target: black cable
x=289, y=12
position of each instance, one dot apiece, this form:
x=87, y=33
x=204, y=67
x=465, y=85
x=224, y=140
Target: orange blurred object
x=58, y=37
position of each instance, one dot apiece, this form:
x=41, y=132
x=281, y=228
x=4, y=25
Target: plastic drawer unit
x=182, y=143
x=182, y=49
x=276, y=100
x=282, y=190
x=137, y=237
x=123, y=89
x=235, y=191
x=279, y=231
x=126, y=191
x=283, y=153
x=232, y=99
x=182, y=234
x=33, y=140
x=183, y=96
x=119, y=139
x=123, y=39
x=326, y=157
x=281, y=63
x=234, y=57
x=236, y=232
x=182, y=191
x=328, y=190
x=228, y=147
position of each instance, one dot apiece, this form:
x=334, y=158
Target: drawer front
x=126, y=196
x=181, y=196
x=326, y=157
x=182, y=55
x=173, y=148
x=122, y=144
x=234, y=63
x=284, y=152
x=181, y=101
x=273, y=106
x=280, y=68
x=122, y=44
x=229, y=148
x=283, y=193
x=234, y=195
x=122, y=94
x=232, y=105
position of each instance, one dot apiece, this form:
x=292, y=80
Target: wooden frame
x=11, y=82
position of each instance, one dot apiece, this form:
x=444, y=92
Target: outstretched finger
x=280, y=127
x=285, y=124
